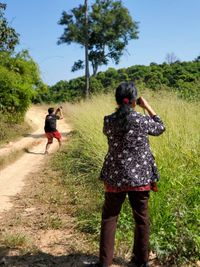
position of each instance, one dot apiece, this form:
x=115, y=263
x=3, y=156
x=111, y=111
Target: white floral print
x=130, y=162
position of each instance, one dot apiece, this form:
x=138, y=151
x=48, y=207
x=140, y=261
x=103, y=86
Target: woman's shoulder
x=132, y=115
x=109, y=117
x=136, y=115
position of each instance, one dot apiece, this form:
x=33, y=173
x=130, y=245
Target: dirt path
x=12, y=177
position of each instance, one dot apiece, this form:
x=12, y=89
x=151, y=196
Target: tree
x=197, y=59
x=8, y=36
x=19, y=81
x=87, y=74
x=171, y=58
x=107, y=32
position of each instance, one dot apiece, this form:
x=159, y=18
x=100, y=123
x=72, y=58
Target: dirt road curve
x=12, y=177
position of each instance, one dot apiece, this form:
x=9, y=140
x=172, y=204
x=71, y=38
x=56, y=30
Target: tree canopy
x=183, y=78
x=8, y=36
x=19, y=82
x=109, y=29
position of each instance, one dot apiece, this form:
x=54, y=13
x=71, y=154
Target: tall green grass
x=174, y=210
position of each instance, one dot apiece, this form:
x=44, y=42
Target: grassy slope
x=12, y=131
x=175, y=215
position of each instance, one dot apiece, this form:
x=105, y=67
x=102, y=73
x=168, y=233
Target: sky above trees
x=164, y=27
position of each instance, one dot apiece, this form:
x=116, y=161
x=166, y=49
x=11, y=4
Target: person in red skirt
x=50, y=127
x=129, y=169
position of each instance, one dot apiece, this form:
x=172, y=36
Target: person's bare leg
x=47, y=148
x=60, y=143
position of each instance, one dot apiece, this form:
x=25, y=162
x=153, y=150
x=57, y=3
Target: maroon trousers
x=111, y=209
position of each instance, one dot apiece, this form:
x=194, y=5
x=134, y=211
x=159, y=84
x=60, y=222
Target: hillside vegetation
x=183, y=78
x=174, y=210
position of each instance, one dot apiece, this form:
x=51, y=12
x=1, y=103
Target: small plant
x=14, y=240
x=53, y=222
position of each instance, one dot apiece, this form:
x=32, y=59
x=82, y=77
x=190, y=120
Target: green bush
x=15, y=95
x=19, y=80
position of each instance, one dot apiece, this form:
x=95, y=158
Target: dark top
x=129, y=161
x=50, y=123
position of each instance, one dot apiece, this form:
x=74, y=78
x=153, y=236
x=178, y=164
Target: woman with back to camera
x=128, y=168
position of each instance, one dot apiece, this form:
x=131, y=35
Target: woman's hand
x=154, y=187
x=144, y=104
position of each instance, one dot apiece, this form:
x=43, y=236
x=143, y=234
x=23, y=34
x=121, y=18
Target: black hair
x=125, y=94
x=50, y=110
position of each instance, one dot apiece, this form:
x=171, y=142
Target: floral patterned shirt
x=129, y=161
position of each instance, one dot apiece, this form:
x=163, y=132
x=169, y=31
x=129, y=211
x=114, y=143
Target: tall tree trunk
x=87, y=75
x=94, y=67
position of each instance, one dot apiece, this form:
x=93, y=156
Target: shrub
x=19, y=79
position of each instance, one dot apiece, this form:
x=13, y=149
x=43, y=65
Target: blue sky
x=165, y=26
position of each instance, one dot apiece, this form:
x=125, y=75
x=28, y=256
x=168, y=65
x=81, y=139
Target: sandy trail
x=34, y=116
x=12, y=177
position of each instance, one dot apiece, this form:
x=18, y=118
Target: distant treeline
x=21, y=83
x=181, y=77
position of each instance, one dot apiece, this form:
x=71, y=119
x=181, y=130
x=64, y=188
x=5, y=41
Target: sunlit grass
x=174, y=210
x=18, y=240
